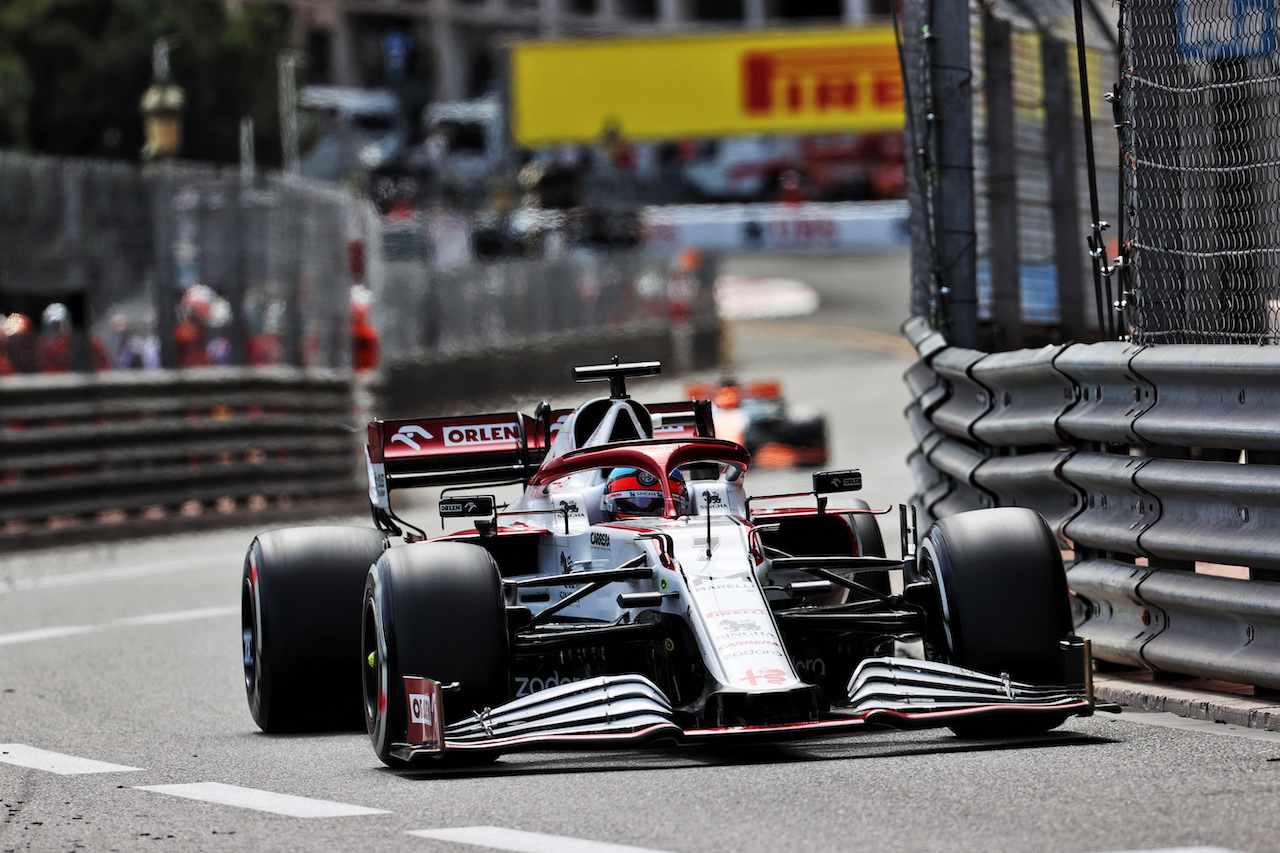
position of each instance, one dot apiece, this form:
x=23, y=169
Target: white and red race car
x=576, y=616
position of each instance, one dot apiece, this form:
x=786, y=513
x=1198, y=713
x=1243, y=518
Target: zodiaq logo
x=526, y=686
x=481, y=434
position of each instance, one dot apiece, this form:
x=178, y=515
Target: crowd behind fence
x=179, y=265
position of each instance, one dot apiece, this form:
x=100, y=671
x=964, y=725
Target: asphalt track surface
x=123, y=723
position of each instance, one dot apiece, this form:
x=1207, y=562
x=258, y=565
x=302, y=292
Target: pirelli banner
x=699, y=86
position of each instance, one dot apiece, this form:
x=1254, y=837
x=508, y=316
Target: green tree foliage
x=72, y=74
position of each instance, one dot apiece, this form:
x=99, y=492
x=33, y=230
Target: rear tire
x=1003, y=605
x=867, y=531
x=434, y=610
x=300, y=618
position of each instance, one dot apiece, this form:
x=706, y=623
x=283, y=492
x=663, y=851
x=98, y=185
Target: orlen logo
x=821, y=79
x=481, y=434
x=420, y=709
x=409, y=434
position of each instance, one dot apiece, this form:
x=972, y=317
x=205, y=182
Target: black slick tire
x=1002, y=605
x=300, y=621
x=870, y=542
x=434, y=610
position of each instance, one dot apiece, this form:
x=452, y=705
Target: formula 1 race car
x=756, y=416
x=635, y=594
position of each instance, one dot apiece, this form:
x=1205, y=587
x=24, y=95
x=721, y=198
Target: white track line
x=21, y=755
x=262, y=801
x=1185, y=850
x=125, y=622
x=144, y=570
x=519, y=841
x=176, y=616
x=46, y=634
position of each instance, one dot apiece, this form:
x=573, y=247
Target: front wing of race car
x=613, y=711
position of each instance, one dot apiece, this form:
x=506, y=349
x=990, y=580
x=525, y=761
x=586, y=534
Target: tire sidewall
x=251, y=618
x=381, y=717
x=1001, y=593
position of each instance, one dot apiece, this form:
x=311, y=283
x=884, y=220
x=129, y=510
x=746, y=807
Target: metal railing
x=137, y=445
x=1159, y=466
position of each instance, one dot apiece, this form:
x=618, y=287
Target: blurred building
x=452, y=49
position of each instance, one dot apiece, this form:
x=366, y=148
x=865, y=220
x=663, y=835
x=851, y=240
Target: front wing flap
x=613, y=711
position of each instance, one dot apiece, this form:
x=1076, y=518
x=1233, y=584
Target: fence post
x=1064, y=204
x=951, y=88
x=76, y=279
x=236, y=281
x=293, y=203
x=1002, y=182
x=162, y=229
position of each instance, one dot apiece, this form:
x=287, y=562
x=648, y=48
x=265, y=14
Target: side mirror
x=470, y=506
x=826, y=482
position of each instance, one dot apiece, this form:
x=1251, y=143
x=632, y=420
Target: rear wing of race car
x=689, y=419
x=494, y=449
x=473, y=450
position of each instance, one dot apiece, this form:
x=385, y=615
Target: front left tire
x=434, y=610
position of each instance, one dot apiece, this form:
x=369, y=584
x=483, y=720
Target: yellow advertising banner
x=695, y=86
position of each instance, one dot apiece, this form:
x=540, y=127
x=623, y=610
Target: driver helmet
x=635, y=493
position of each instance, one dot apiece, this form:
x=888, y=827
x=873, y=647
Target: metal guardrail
x=1147, y=462
x=156, y=443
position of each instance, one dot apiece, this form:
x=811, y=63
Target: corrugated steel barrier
x=123, y=446
x=1158, y=466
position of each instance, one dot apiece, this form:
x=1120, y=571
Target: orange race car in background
x=755, y=415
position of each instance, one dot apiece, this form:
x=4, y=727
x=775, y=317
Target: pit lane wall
x=1158, y=466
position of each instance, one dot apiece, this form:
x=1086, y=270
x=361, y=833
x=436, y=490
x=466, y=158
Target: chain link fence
x=177, y=265
x=180, y=265
x=1030, y=177
x=1200, y=132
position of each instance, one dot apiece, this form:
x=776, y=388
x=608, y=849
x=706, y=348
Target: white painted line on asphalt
x=519, y=841
x=21, y=755
x=125, y=622
x=262, y=801
x=144, y=570
x=1183, y=850
x=46, y=634
x=177, y=616
x=1173, y=721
